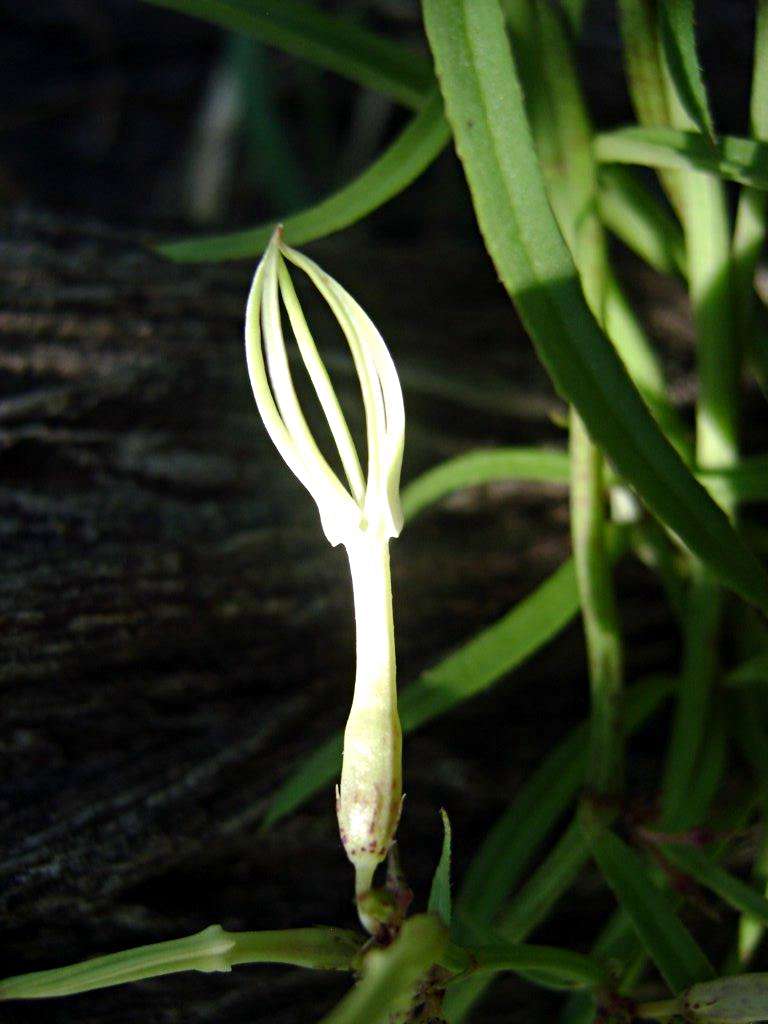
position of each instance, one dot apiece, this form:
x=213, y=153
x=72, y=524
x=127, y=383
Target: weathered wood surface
x=176, y=632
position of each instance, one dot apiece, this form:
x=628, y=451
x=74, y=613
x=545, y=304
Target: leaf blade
x=440, y=891
x=678, y=40
x=483, y=467
x=485, y=106
x=707, y=872
x=732, y=157
x=330, y=42
x=394, y=170
x=669, y=944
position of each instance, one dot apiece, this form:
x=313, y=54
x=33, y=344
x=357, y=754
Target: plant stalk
x=601, y=627
x=212, y=949
x=370, y=794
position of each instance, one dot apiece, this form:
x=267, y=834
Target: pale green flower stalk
x=363, y=514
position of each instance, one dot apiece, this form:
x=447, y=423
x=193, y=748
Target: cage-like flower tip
x=360, y=504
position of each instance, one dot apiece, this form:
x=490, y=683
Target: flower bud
x=362, y=514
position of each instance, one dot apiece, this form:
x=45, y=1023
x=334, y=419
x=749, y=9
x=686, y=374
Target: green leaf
x=644, y=223
x=440, y=893
x=466, y=672
x=391, y=975
x=746, y=481
x=531, y=906
x=507, y=849
x=561, y=966
x=330, y=42
x=669, y=944
x=750, y=230
x=405, y=159
x=678, y=39
x=511, y=843
x=562, y=134
x=752, y=672
x=646, y=77
x=707, y=872
x=485, y=107
x=494, y=465
x=731, y=157
x=495, y=651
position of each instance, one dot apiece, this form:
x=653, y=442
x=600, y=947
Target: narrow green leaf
x=562, y=966
x=440, y=892
x=645, y=77
x=749, y=233
x=468, y=671
x=509, y=846
x=669, y=944
x=531, y=906
x=399, y=165
x=391, y=975
x=678, y=39
x=495, y=465
x=711, y=875
x=485, y=107
x=330, y=42
x=562, y=133
x=507, y=849
x=710, y=768
x=731, y=157
x=643, y=222
x=495, y=651
x=747, y=480
x=515, y=838
x=753, y=672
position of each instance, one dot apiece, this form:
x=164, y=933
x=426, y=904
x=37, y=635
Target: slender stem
x=707, y=229
x=749, y=234
x=370, y=794
x=601, y=628
x=212, y=949
x=662, y=1010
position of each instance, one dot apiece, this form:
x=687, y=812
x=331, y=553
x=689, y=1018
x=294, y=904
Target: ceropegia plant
x=363, y=515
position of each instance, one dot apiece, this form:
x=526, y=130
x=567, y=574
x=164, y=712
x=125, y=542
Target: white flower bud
x=361, y=514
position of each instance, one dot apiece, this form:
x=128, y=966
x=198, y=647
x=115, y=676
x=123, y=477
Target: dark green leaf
x=485, y=107
x=669, y=944
x=698, y=865
x=752, y=672
x=334, y=43
x=507, y=849
x=555, y=965
x=643, y=222
x=440, y=893
x=732, y=157
x=483, y=467
x=678, y=39
x=407, y=157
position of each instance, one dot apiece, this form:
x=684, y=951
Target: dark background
x=175, y=631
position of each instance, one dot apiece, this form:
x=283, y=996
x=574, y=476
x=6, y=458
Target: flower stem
x=370, y=794
x=601, y=629
x=212, y=949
